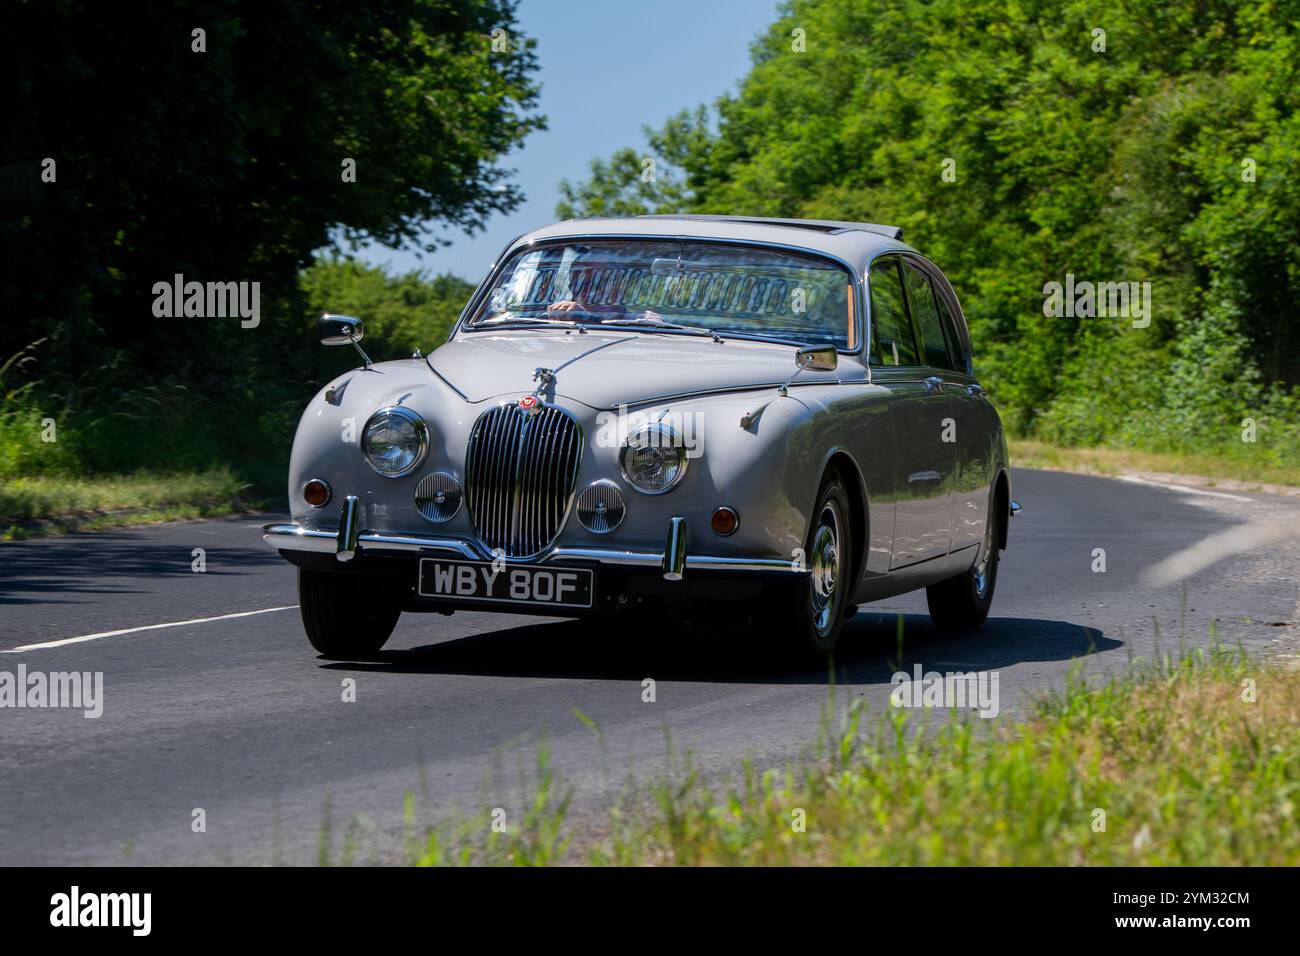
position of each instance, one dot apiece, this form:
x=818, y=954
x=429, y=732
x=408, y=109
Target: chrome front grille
x=520, y=472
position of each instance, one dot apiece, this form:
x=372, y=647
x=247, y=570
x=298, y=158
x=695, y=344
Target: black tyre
x=347, y=616
x=962, y=603
x=809, y=616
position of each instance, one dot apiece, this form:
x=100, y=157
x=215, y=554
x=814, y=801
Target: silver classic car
x=767, y=420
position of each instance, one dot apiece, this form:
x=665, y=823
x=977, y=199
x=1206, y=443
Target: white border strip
x=1185, y=489
x=136, y=630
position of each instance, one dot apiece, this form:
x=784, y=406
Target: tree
x=1015, y=143
x=218, y=140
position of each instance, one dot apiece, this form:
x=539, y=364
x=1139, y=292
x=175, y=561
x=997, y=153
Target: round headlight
x=394, y=441
x=653, y=459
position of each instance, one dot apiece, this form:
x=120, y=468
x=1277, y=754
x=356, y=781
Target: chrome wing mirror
x=343, y=330
x=819, y=358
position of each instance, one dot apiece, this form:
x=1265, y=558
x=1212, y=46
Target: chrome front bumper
x=674, y=561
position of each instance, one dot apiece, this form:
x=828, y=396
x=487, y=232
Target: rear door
x=924, y=462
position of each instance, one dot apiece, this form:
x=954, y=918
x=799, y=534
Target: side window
x=921, y=296
x=892, y=342
x=950, y=333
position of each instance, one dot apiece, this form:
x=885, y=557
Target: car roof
x=855, y=242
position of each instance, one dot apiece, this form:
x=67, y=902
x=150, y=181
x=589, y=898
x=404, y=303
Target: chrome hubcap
x=824, y=563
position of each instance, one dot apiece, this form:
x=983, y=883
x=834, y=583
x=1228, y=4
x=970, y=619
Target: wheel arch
x=843, y=464
x=1002, y=506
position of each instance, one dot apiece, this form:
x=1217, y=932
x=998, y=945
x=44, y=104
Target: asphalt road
x=237, y=716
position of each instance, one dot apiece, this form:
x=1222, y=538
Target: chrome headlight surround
x=415, y=438
x=655, y=440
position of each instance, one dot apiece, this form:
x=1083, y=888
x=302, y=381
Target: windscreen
x=800, y=297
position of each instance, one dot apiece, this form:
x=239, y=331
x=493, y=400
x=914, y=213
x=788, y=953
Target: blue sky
x=606, y=68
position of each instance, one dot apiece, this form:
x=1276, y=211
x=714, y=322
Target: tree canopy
x=213, y=139
x=1016, y=143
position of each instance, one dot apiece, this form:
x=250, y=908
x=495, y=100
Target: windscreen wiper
x=660, y=324
x=530, y=320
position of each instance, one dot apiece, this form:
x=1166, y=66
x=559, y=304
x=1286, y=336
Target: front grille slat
x=520, y=474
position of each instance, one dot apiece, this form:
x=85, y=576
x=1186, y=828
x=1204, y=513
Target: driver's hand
x=565, y=306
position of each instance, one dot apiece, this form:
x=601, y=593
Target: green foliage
x=1122, y=165
x=227, y=164
x=400, y=312
x=198, y=421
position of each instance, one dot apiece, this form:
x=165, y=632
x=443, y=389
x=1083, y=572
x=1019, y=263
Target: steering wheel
x=577, y=313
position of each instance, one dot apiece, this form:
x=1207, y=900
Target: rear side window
x=950, y=333
x=920, y=295
x=892, y=342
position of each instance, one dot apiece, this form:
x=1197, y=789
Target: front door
x=925, y=448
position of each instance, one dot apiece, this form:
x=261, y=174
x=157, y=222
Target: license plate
x=512, y=584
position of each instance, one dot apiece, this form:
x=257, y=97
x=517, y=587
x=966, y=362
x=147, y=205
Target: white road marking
x=136, y=630
x=1183, y=488
x=1223, y=544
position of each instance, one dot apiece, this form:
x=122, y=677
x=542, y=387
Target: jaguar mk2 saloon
x=662, y=418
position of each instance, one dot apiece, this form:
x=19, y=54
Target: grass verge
x=50, y=504
x=1250, y=472
x=1188, y=761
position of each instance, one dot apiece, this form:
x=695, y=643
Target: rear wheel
x=962, y=602
x=809, y=616
x=347, y=616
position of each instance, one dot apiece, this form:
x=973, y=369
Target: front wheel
x=962, y=603
x=809, y=617
x=346, y=616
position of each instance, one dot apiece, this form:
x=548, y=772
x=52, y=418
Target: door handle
x=933, y=383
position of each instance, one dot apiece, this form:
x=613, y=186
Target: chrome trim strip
x=717, y=563
x=728, y=389
x=292, y=537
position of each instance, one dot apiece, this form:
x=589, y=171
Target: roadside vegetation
x=257, y=163
x=1193, y=760
x=1237, y=466
x=1018, y=144
x=1015, y=144
x=111, y=449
